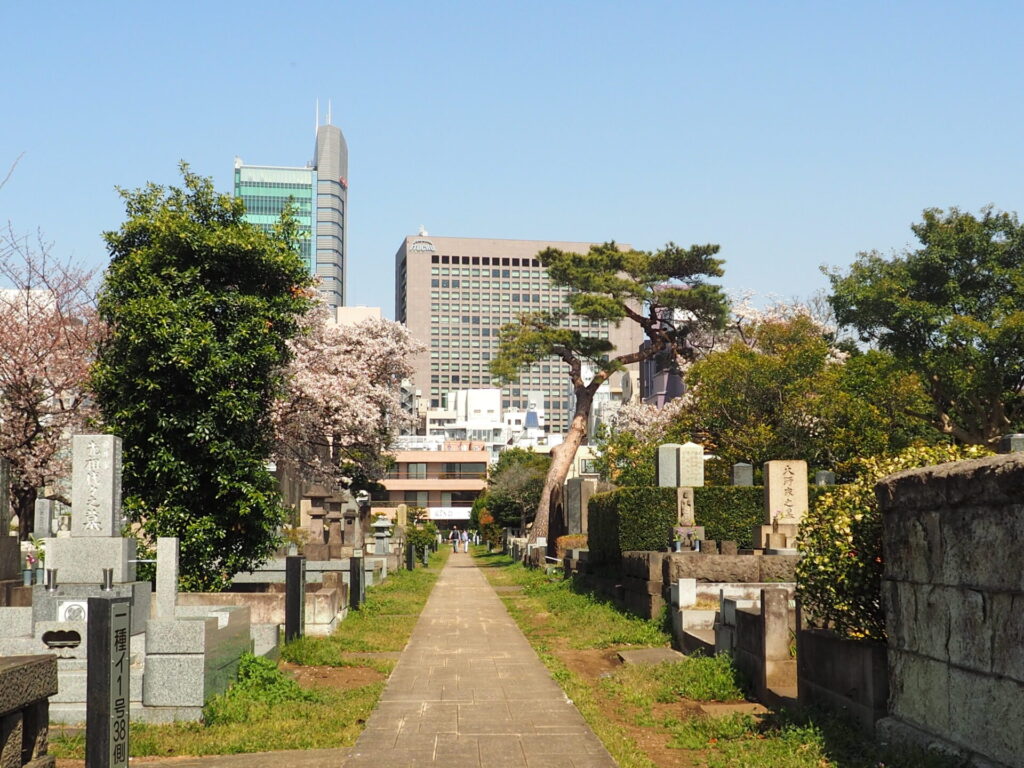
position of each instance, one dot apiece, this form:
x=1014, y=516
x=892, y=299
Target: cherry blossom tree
x=342, y=407
x=49, y=334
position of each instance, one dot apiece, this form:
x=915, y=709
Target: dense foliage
x=788, y=392
x=514, y=486
x=952, y=311
x=629, y=519
x=666, y=293
x=422, y=536
x=729, y=513
x=839, y=576
x=200, y=305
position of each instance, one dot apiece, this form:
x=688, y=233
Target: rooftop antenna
x=316, y=120
x=329, y=112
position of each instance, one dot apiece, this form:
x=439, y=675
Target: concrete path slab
x=469, y=691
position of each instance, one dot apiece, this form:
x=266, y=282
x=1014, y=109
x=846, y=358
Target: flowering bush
x=839, y=576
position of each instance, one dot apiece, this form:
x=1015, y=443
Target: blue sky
x=793, y=134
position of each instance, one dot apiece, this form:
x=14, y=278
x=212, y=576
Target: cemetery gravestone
x=1011, y=443
x=96, y=541
x=691, y=465
x=668, y=465
x=42, y=526
x=742, y=474
x=167, y=554
x=96, y=485
x=785, y=505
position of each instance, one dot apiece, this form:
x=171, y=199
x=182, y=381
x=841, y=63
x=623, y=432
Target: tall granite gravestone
x=96, y=541
x=42, y=526
x=667, y=468
x=742, y=474
x=785, y=504
x=691, y=465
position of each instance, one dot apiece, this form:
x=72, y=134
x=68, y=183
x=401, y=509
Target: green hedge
x=630, y=519
x=730, y=512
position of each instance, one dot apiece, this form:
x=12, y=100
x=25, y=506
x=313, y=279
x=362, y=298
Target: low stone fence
x=953, y=593
x=326, y=603
x=729, y=568
x=847, y=676
x=26, y=683
x=759, y=637
x=643, y=590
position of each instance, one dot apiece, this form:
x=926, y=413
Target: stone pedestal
x=781, y=536
x=82, y=560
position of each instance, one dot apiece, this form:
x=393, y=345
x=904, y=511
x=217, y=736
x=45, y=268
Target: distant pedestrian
x=465, y=541
x=453, y=537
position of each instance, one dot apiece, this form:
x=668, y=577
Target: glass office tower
x=318, y=194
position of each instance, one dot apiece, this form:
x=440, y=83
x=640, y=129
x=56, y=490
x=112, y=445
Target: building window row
x=484, y=260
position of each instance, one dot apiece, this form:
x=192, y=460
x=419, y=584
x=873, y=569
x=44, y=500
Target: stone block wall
x=26, y=683
x=729, y=568
x=953, y=593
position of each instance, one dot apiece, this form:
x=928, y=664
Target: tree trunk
x=24, y=506
x=561, y=462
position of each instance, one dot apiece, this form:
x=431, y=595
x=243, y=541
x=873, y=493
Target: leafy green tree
x=514, y=486
x=665, y=293
x=789, y=393
x=953, y=311
x=200, y=306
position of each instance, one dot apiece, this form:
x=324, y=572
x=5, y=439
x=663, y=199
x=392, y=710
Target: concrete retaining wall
x=953, y=592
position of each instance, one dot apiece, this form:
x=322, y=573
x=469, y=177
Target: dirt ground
x=591, y=665
x=340, y=678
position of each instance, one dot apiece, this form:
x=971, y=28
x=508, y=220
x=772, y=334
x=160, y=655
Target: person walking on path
x=453, y=537
x=465, y=541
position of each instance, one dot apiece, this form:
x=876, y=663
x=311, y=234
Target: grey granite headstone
x=1011, y=443
x=742, y=474
x=824, y=477
x=167, y=553
x=574, y=505
x=691, y=465
x=45, y=512
x=5, y=497
x=668, y=465
x=96, y=486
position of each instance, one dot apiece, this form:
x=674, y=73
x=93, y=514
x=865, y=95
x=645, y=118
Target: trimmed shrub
x=628, y=519
x=839, y=577
x=730, y=512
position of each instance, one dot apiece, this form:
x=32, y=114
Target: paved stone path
x=470, y=692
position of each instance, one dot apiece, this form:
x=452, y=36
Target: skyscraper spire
x=316, y=120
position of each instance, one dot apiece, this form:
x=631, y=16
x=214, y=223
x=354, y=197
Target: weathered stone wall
x=953, y=592
x=26, y=683
x=729, y=568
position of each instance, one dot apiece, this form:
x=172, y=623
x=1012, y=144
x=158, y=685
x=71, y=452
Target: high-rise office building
x=455, y=293
x=318, y=194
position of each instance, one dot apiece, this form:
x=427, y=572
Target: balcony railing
x=400, y=475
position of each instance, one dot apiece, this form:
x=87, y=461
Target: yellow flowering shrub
x=839, y=576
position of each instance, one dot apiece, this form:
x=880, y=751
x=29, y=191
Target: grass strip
x=266, y=711
x=556, y=614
